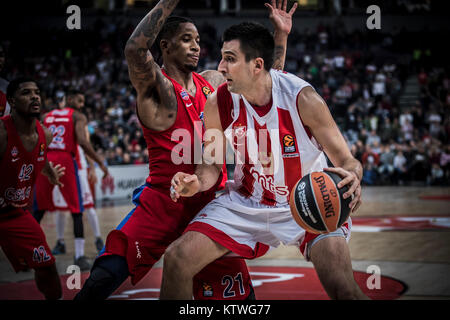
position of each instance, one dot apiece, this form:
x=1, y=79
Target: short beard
x=191, y=67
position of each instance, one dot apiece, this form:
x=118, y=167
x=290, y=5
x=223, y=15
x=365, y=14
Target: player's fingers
x=279, y=4
x=339, y=171
x=269, y=6
x=294, y=7
x=358, y=204
x=344, y=181
x=284, y=5
x=190, y=178
x=356, y=198
x=352, y=189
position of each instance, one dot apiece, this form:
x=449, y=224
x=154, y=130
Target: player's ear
x=259, y=65
x=164, y=45
x=11, y=101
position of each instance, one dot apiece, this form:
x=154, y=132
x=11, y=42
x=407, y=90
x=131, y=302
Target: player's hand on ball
x=184, y=185
x=351, y=179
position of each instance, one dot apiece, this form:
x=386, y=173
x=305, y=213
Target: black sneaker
x=83, y=263
x=99, y=244
x=60, y=248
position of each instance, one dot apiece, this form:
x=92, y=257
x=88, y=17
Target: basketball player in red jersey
x=254, y=105
x=68, y=128
x=23, y=154
x=170, y=98
x=75, y=100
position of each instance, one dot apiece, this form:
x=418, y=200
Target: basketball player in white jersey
x=278, y=125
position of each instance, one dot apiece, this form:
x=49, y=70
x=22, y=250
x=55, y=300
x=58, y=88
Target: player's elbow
x=130, y=49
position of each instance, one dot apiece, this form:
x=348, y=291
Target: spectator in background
x=400, y=167
x=386, y=168
x=373, y=139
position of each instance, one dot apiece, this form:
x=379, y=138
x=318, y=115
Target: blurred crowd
x=361, y=76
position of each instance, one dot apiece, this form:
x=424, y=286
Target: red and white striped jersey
x=273, y=150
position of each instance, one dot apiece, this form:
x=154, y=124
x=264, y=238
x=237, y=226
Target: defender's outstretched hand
x=184, y=185
x=281, y=19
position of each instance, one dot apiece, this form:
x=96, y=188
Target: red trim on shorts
x=222, y=238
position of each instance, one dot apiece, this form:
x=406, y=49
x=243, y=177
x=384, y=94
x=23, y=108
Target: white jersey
x=273, y=151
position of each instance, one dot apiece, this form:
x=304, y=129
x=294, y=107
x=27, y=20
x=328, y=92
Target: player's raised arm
x=316, y=115
x=282, y=22
x=156, y=100
x=141, y=64
x=206, y=173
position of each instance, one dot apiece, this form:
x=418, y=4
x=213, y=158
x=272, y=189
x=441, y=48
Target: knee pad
x=106, y=276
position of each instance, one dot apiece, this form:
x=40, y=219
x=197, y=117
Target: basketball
x=317, y=204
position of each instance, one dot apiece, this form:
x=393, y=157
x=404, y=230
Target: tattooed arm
x=156, y=100
x=282, y=22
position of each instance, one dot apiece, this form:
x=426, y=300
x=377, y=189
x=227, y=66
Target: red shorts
x=155, y=222
x=43, y=194
x=224, y=279
x=23, y=240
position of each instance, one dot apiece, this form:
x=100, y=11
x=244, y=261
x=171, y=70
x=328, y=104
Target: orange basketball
x=317, y=205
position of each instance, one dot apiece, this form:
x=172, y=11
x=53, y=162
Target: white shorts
x=88, y=201
x=250, y=229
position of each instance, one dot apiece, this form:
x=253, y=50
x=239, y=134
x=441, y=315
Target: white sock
x=60, y=222
x=79, y=247
x=93, y=221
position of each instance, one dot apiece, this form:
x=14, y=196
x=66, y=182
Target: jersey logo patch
x=206, y=91
x=289, y=144
x=184, y=95
x=207, y=290
x=14, y=152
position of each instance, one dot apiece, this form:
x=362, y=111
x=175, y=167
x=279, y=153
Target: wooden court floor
x=405, y=231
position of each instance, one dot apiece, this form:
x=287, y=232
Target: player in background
x=23, y=154
x=169, y=98
x=75, y=100
x=4, y=106
x=255, y=110
x=68, y=126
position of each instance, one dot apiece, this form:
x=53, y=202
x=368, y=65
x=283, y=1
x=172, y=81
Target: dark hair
x=14, y=85
x=255, y=39
x=170, y=27
x=74, y=92
x=168, y=31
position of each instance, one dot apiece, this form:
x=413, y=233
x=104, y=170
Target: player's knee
x=176, y=259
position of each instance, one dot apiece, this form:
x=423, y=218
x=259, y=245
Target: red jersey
x=179, y=148
x=19, y=167
x=60, y=123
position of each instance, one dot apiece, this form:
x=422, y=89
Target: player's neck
x=260, y=93
x=23, y=125
x=183, y=77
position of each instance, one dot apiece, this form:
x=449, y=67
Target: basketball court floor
x=401, y=233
